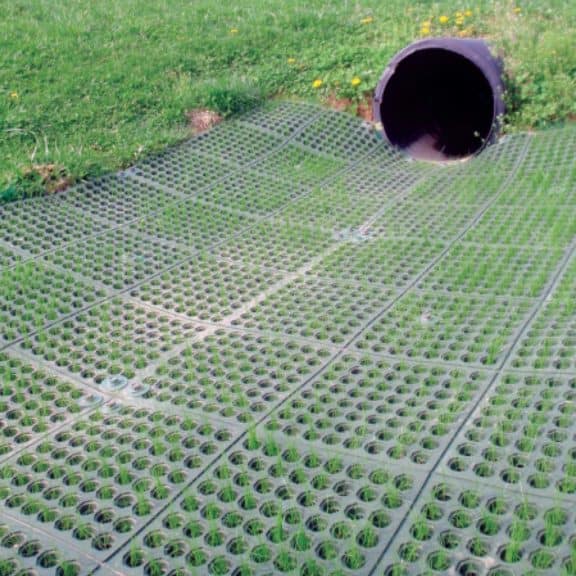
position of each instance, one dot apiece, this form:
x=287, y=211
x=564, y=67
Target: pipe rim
x=476, y=51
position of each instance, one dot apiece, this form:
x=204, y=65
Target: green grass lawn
x=87, y=88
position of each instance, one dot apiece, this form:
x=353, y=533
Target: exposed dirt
x=362, y=109
x=202, y=119
x=52, y=176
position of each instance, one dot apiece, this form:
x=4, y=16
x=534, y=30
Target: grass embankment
x=88, y=88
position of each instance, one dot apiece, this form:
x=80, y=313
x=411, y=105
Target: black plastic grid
x=33, y=296
x=494, y=270
x=284, y=118
x=421, y=219
x=340, y=136
x=334, y=208
x=34, y=402
x=310, y=308
x=97, y=481
x=251, y=192
x=277, y=244
x=552, y=148
x=378, y=261
x=521, y=438
x=454, y=186
x=112, y=339
x=542, y=189
x=8, y=257
x=363, y=181
x=118, y=259
x=234, y=143
x=526, y=226
x=206, y=288
x=396, y=413
x=181, y=169
x=379, y=269
x=41, y=224
x=470, y=528
x=118, y=199
x=273, y=509
x=299, y=166
x=28, y=550
x=233, y=376
x=466, y=329
x=500, y=157
x=193, y=225
x=549, y=342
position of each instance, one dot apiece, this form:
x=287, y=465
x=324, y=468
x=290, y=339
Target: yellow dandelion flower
x=356, y=81
x=426, y=24
x=517, y=10
x=234, y=30
x=291, y=60
x=443, y=19
x=14, y=96
x=367, y=20
x=425, y=31
x=459, y=21
x=317, y=83
x=468, y=13
x=458, y=14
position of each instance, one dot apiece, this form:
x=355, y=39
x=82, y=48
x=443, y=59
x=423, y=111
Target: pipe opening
x=437, y=105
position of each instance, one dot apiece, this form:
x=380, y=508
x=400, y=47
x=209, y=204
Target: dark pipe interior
x=437, y=104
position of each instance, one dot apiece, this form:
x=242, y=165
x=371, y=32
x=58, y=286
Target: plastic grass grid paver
x=541, y=189
x=267, y=508
x=114, y=338
x=339, y=136
x=466, y=329
x=8, y=257
x=299, y=166
x=205, y=288
x=351, y=198
x=521, y=226
x=494, y=270
x=118, y=199
x=33, y=296
x=277, y=244
x=322, y=132
x=457, y=189
x=118, y=259
x=334, y=207
x=364, y=181
x=193, y=225
x=322, y=358
x=234, y=143
x=549, y=343
x=283, y=118
x=97, y=481
x=521, y=437
x=317, y=309
x=500, y=157
x=33, y=402
x=182, y=170
x=251, y=192
x=414, y=219
x=27, y=550
x=233, y=376
x=38, y=225
x=393, y=412
x=552, y=148
x=378, y=261
x=469, y=528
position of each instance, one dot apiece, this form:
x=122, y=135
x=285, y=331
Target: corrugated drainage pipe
x=441, y=98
